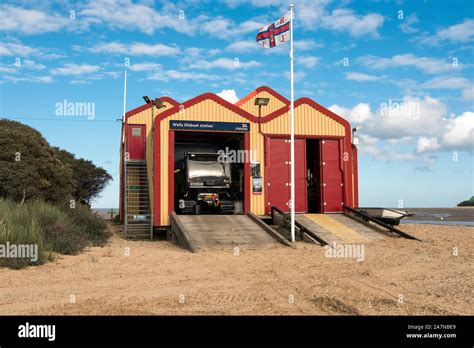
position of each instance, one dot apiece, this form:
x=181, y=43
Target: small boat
x=389, y=216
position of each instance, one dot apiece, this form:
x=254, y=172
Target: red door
x=278, y=174
x=136, y=141
x=331, y=176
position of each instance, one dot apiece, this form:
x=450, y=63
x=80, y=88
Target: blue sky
x=401, y=71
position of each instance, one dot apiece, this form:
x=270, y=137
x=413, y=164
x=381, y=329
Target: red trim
x=147, y=106
x=246, y=98
x=247, y=178
x=262, y=89
x=203, y=97
x=157, y=175
x=249, y=116
x=171, y=171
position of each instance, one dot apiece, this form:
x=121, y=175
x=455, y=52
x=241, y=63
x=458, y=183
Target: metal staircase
x=138, y=216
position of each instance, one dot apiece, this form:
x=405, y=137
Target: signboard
x=210, y=126
x=257, y=185
x=254, y=168
x=134, y=188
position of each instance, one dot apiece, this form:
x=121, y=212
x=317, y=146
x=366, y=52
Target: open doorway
x=208, y=172
x=313, y=175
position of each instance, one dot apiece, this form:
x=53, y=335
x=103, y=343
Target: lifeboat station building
x=206, y=157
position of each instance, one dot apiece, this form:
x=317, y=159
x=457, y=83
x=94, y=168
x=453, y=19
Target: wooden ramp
x=336, y=228
x=217, y=232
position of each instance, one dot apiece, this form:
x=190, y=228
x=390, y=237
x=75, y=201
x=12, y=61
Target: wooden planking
x=273, y=104
x=337, y=228
x=364, y=230
x=308, y=121
x=318, y=230
x=217, y=232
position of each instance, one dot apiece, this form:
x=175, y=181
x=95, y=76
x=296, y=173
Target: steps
x=138, y=216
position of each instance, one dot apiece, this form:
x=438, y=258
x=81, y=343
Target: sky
x=399, y=71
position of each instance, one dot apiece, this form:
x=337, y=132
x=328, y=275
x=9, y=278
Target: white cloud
x=310, y=13
x=423, y=120
x=406, y=24
x=127, y=15
x=16, y=49
x=425, y=144
x=197, y=51
x=355, y=76
x=218, y=27
x=29, y=22
x=225, y=28
x=457, y=33
x=358, y=114
x=243, y=46
x=297, y=76
x=468, y=93
x=308, y=61
x=346, y=20
x=145, y=67
x=425, y=64
x=167, y=75
x=446, y=82
x=306, y=44
x=410, y=116
x=135, y=49
x=460, y=134
x=253, y=3
x=229, y=95
x=75, y=69
x=224, y=63
x=39, y=79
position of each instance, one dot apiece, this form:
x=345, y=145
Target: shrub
x=17, y=227
x=60, y=232
x=92, y=226
x=53, y=229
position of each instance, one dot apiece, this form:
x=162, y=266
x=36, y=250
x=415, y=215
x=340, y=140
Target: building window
x=136, y=132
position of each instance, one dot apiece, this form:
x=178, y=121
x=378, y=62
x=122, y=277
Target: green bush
x=60, y=231
x=93, y=227
x=53, y=229
x=17, y=227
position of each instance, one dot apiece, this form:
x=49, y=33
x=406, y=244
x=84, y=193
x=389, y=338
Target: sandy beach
x=396, y=277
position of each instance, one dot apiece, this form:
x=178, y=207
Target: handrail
x=321, y=240
x=380, y=223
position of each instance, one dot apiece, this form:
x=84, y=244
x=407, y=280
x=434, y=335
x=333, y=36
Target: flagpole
x=124, y=151
x=292, y=130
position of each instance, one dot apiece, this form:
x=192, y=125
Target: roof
x=148, y=105
x=236, y=107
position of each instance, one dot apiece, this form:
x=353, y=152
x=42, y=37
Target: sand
x=397, y=276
